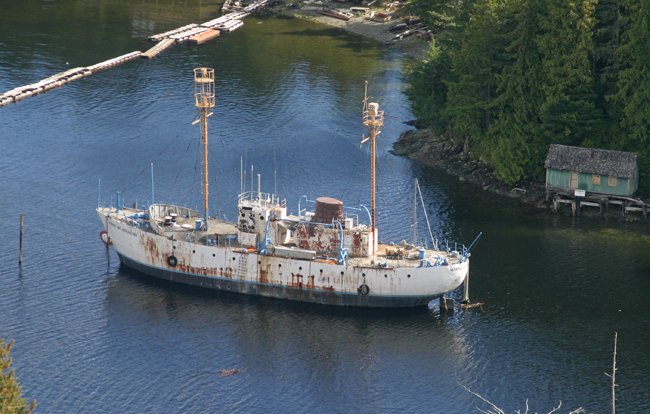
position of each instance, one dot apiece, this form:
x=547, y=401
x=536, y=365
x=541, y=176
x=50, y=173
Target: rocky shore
x=412, y=46
x=453, y=157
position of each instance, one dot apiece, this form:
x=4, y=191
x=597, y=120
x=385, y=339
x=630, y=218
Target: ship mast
x=373, y=118
x=204, y=100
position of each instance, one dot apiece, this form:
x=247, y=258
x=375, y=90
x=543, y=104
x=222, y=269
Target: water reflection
x=345, y=358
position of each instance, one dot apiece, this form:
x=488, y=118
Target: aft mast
x=373, y=118
x=204, y=100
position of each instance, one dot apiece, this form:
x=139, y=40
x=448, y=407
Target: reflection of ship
x=327, y=256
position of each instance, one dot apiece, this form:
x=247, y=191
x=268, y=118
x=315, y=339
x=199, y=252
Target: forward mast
x=204, y=100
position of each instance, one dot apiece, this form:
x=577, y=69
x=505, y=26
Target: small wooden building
x=594, y=170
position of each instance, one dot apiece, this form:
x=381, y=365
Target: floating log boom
x=195, y=33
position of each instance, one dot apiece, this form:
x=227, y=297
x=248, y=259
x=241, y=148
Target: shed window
x=595, y=179
x=612, y=181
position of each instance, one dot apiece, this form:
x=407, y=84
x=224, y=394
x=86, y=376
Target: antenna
x=373, y=119
x=204, y=100
x=416, y=186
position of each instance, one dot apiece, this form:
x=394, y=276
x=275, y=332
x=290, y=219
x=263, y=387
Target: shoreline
x=419, y=144
x=440, y=152
x=450, y=156
x=411, y=46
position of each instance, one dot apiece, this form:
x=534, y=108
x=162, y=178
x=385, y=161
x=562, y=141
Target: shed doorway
x=573, y=181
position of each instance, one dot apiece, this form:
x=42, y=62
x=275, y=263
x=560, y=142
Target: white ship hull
x=244, y=270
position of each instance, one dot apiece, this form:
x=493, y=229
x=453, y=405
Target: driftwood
x=465, y=306
x=228, y=372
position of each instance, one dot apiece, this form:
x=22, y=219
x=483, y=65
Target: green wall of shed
x=561, y=179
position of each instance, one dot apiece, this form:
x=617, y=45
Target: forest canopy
x=511, y=77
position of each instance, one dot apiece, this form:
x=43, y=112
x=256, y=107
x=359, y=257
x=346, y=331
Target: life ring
x=172, y=261
x=105, y=238
x=363, y=289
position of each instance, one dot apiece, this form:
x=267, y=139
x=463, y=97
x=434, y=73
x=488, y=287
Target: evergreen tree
x=446, y=18
x=426, y=89
x=11, y=400
x=633, y=92
x=514, y=145
x=568, y=113
x=610, y=21
x=476, y=64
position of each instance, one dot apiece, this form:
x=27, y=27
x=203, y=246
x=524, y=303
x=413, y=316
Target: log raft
x=195, y=33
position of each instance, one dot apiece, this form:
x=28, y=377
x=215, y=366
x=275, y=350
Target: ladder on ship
x=242, y=266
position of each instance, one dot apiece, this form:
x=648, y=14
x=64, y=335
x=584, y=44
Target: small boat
x=329, y=255
x=336, y=13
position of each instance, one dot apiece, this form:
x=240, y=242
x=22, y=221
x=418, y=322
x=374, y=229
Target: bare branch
x=497, y=409
x=556, y=408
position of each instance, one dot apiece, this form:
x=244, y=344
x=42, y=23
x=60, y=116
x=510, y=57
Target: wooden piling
x=446, y=305
x=20, y=239
x=466, y=289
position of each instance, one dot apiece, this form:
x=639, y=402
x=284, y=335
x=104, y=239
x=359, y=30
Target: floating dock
x=60, y=79
x=158, y=48
x=195, y=33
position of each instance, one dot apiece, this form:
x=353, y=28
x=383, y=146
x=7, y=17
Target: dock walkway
x=195, y=33
x=602, y=202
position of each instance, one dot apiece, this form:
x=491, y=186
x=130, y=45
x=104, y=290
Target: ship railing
x=266, y=200
x=162, y=210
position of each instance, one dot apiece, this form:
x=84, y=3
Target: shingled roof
x=591, y=160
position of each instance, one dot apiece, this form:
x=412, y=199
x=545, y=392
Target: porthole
x=363, y=274
x=213, y=255
x=193, y=251
x=385, y=275
x=321, y=270
x=342, y=273
x=408, y=275
x=233, y=258
x=300, y=268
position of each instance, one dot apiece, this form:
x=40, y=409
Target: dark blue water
x=92, y=338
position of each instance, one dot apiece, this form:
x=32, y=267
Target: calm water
x=91, y=338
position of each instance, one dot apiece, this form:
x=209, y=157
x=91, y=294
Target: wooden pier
x=606, y=204
x=194, y=33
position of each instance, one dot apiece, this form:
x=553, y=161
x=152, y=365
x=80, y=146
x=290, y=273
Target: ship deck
x=224, y=234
